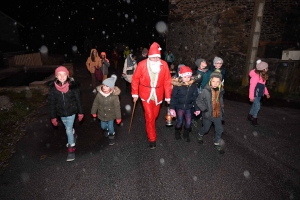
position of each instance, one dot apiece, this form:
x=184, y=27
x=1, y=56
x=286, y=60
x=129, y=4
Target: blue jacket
x=205, y=76
x=184, y=95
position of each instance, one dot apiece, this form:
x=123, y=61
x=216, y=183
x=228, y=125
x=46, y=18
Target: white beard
x=154, y=66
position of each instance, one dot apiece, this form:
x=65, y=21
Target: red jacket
x=141, y=83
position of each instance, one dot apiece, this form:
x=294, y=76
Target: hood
x=177, y=82
x=252, y=73
x=117, y=90
x=96, y=52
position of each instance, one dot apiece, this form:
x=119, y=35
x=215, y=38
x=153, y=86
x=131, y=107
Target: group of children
x=64, y=101
x=191, y=95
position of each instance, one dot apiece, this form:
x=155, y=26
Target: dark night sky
x=60, y=25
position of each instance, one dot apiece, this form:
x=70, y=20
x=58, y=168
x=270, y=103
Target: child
x=64, y=101
x=204, y=72
x=210, y=102
x=257, y=89
x=217, y=64
x=184, y=95
x=107, y=104
x=104, y=65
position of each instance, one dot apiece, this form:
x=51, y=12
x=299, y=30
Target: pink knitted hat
x=61, y=69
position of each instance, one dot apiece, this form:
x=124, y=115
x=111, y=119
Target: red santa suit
x=151, y=88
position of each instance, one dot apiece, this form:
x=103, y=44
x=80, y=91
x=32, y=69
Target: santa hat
x=61, y=69
x=110, y=82
x=185, y=71
x=260, y=65
x=154, y=50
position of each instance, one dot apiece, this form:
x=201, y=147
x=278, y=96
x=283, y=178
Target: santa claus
x=151, y=82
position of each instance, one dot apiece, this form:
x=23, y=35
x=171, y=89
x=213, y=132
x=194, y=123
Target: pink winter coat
x=257, y=85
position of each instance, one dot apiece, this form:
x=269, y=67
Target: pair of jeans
x=218, y=128
x=68, y=122
x=255, y=107
x=108, y=125
x=184, y=114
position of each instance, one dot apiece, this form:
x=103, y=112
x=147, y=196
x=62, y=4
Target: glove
x=172, y=112
x=94, y=115
x=197, y=112
x=54, y=121
x=80, y=117
x=118, y=121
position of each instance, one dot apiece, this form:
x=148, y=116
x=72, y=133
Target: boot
x=186, y=134
x=177, y=133
x=111, y=139
x=105, y=133
x=200, y=138
x=219, y=148
x=254, y=122
x=71, y=152
x=152, y=145
x=250, y=117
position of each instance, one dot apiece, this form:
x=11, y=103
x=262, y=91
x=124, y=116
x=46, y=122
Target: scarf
x=64, y=88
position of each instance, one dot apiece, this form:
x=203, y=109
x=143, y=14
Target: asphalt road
x=259, y=162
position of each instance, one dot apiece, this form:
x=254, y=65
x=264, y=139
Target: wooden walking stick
x=132, y=116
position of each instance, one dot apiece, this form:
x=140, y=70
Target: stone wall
x=204, y=28
x=283, y=74
x=209, y=28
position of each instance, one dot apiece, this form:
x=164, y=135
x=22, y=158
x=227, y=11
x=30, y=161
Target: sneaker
x=94, y=91
x=152, y=145
x=219, y=149
x=200, y=138
x=111, y=142
x=195, y=123
x=71, y=157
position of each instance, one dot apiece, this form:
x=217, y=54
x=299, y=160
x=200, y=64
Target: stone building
x=209, y=28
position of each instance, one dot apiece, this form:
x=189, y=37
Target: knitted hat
x=154, y=50
x=260, y=65
x=185, y=71
x=61, y=69
x=217, y=74
x=217, y=59
x=110, y=82
x=199, y=61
